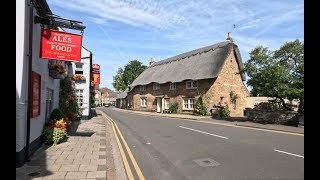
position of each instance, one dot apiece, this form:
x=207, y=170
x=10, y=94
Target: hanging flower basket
x=78, y=77
x=55, y=74
x=57, y=71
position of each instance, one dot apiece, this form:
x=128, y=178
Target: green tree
x=125, y=76
x=279, y=73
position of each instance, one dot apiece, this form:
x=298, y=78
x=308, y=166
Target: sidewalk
x=283, y=128
x=84, y=155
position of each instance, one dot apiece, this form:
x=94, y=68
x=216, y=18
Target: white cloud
x=140, y=12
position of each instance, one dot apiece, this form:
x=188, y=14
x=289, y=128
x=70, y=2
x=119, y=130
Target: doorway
x=159, y=104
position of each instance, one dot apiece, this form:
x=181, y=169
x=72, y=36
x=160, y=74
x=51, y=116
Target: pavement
x=89, y=152
x=282, y=128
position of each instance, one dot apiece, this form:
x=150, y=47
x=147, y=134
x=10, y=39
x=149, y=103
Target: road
x=170, y=148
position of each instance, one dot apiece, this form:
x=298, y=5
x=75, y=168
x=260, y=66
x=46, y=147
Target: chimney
x=151, y=61
x=229, y=38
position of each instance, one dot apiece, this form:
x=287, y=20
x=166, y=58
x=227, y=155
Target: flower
x=59, y=68
x=78, y=76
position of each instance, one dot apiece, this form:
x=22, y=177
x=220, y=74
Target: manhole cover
x=206, y=162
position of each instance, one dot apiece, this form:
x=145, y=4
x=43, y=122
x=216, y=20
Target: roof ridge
x=197, y=51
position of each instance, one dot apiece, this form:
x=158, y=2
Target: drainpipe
x=27, y=152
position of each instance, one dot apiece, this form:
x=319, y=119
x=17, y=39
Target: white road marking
x=204, y=132
x=289, y=153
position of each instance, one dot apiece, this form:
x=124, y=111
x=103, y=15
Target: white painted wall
x=39, y=66
x=85, y=85
x=21, y=72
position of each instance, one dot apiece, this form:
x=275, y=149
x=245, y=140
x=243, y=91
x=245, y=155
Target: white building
x=82, y=85
x=37, y=83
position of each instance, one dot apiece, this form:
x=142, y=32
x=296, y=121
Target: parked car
x=106, y=105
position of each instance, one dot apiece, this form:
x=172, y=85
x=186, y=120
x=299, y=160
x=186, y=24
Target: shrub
x=200, y=107
x=69, y=116
x=224, y=111
x=173, y=108
x=58, y=135
x=47, y=135
x=57, y=114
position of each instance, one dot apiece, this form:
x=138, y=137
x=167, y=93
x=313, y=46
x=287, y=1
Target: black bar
x=29, y=81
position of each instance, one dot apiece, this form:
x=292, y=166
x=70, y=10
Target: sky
x=119, y=31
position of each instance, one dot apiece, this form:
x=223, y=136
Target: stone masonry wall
x=213, y=89
x=227, y=81
x=176, y=95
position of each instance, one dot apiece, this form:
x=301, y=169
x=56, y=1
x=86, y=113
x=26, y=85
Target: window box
x=78, y=77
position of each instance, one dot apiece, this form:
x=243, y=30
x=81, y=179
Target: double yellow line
x=123, y=155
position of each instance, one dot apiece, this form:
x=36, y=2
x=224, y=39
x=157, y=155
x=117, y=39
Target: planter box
x=273, y=117
x=55, y=74
x=214, y=112
x=79, y=79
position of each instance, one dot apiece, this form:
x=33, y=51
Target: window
x=36, y=95
x=192, y=84
x=188, y=104
x=79, y=93
x=79, y=72
x=142, y=88
x=156, y=86
x=79, y=66
x=167, y=103
x=49, y=103
x=143, y=102
x=172, y=86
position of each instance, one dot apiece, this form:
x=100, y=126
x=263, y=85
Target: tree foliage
x=278, y=73
x=125, y=76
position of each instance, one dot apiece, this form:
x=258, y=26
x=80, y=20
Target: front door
x=159, y=104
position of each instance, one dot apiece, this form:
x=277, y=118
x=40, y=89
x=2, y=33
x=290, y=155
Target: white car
x=106, y=105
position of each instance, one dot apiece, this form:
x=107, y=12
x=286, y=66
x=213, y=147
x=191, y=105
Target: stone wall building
x=212, y=71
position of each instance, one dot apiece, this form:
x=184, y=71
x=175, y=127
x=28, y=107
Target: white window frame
x=143, y=102
x=166, y=103
x=187, y=101
x=79, y=94
x=77, y=68
x=142, y=88
x=191, y=84
x=173, y=86
x=156, y=86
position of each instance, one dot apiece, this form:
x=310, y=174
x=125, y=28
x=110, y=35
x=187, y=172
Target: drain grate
x=206, y=162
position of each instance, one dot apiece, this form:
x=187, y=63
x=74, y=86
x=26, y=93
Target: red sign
x=96, y=78
x=96, y=66
x=36, y=95
x=59, y=45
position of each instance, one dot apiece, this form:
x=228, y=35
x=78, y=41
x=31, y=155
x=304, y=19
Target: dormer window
x=142, y=88
x=156, y=86
x=192, y=84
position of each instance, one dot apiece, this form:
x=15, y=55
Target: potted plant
x=214, y=111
